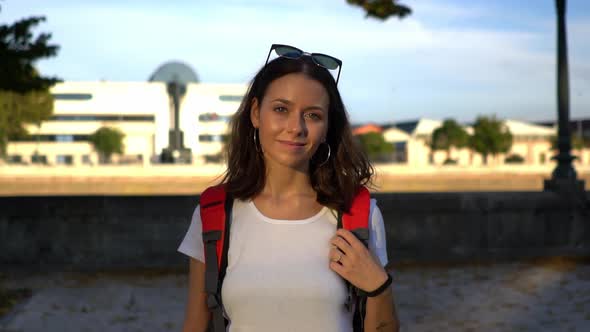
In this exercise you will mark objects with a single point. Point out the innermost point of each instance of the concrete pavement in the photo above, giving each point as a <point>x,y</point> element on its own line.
<point>546,296</point>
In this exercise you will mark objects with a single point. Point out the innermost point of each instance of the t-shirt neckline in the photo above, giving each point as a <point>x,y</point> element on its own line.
<point>287,221</point>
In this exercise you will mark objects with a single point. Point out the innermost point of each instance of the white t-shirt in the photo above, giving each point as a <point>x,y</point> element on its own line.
<point>278,276</point>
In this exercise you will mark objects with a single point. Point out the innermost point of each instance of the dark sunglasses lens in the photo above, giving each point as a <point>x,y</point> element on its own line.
<point>326,61</point>
<point>288,52</point>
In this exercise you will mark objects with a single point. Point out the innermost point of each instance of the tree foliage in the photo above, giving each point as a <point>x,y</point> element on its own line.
<point>19,50</point>
<point>24,94</point>
<point>107,141</point>
<point>17,109</point>
<point>375,146</point>
<point>449,135</point>
<point>490,137</point>
<point>382,9</point>
<point>514,159</point>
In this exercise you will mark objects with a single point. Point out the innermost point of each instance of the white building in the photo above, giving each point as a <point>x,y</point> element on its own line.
<point>141,110</point>
<point>530,141</point>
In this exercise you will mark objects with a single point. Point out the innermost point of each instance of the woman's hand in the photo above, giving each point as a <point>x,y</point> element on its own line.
<point>354,262</point>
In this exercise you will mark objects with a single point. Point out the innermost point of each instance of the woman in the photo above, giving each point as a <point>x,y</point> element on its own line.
<point>291,164</point>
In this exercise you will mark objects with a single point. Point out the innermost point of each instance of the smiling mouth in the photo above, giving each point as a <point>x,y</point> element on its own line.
<point>294,144</point>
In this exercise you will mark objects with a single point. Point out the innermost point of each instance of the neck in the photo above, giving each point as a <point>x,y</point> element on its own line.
<point>282,181</point>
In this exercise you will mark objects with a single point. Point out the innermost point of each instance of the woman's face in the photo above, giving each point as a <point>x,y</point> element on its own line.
<point>292,119</point>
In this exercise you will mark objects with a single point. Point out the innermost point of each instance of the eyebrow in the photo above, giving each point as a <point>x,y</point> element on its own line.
<point>288,102</point>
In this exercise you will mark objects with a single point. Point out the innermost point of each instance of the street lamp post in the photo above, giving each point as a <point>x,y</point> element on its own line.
<point>564,175</point>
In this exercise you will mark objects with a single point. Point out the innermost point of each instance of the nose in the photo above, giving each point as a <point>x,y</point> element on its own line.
<point>296,124</point>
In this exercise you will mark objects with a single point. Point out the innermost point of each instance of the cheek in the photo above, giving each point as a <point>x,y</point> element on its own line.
<point>320,130</point>
<point>270,123</point>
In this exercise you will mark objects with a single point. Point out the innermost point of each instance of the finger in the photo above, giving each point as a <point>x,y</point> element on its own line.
<point>337,268</point>
<point>341,244</point>
<point>350,238</point>
<point>337,256</point>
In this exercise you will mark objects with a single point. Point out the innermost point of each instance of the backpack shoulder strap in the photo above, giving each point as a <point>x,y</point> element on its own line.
<point>215,208</point>
<point>357,219</point>
<point>212,205</point>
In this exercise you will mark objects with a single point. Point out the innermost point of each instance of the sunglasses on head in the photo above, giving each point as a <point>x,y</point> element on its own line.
<point>322,60</point>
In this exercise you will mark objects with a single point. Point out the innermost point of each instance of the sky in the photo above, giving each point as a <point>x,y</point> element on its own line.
<point>449,59</point>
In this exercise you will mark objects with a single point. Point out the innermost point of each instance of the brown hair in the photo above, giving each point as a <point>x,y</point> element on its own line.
<point>336,182</point>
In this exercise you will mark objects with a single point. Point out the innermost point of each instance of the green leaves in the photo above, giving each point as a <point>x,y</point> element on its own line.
<point>375,146</point>
<point>17,109</point>
<point>107,141</point>
<point>18,53</point>
<point>382,9</point>
<point>450,134</point>
<point>490,136</point>
<point>24,94</point>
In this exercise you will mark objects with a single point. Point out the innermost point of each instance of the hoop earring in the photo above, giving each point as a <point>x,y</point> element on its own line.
<point>256,140</point>
<point>328,157</point>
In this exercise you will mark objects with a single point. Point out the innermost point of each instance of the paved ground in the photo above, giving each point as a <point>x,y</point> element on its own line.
<point>548,296</point>
<point>149,182</point>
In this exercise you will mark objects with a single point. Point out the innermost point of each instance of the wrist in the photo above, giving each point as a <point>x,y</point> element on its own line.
<point>385,283</point>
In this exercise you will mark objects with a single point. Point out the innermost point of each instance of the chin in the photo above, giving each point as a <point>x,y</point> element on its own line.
<point>294,163</point>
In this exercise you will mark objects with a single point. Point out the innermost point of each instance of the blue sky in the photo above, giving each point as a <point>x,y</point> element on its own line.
<point>450,58</point>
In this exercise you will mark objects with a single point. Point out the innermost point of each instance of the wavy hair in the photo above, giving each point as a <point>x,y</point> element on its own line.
<point>335,182</point>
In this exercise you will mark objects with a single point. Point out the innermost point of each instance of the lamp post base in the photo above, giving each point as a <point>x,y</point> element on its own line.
<point>564,185</point>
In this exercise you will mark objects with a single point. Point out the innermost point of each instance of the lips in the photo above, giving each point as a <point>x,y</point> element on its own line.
<point>294,144</point>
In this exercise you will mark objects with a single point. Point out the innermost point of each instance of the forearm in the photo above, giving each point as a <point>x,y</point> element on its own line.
<point>380,313</point>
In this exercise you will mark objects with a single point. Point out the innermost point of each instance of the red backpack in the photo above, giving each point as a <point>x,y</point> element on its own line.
<point>216,210</point>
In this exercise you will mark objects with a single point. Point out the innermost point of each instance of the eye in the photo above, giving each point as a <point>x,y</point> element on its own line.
<point>280,109</point>
<point>313,116</point>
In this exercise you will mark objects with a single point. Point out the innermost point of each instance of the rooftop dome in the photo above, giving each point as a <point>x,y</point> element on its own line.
<point>174,71</point>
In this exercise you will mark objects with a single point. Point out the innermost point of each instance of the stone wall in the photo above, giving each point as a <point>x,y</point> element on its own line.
<point>111,232</point>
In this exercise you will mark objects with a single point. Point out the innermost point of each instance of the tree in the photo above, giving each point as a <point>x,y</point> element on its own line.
<point>107,141</point>
<point>449,135</point>
<point>19,52</point>
<point>514,159</point>
<point>382,9</point>
<point>16,109</point>
<point>490,136</point>
<point>375,146</point>
<point>24,94</point>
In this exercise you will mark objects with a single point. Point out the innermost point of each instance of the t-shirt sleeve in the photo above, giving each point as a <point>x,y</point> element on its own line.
<point>192,244</point>
<point>377,236</point>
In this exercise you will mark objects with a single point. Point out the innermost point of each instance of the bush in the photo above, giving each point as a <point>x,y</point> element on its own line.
<point>375,146</point>
<point>514,159</point>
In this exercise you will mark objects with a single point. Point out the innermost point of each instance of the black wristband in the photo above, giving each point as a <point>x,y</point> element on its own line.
<point>381,288</point>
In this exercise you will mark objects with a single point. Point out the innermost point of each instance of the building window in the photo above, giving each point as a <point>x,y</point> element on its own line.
<point>39,159</point>
<point>15,159</point>
<point>542,158</point>
<point>64,138</point>
<point>64,159</point>
<point>86,159</point>
<point>126,118</point>
<point>212,138</point>
<point>399,152</point>
<point>209,117</point>
<point>231,98</point>
<point>72,96</point>
<point>54,138</point>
